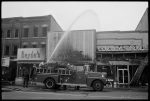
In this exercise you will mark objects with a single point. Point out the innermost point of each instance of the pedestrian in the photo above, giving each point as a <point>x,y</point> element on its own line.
<point>25,77</point>
<point>33,73</point>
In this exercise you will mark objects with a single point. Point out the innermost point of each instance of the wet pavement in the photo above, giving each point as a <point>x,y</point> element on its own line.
<point>41,88</point>
<point>40,92</point>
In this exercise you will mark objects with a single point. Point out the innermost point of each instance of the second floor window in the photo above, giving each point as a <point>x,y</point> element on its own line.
<point>16,33</point>
<point>35,31</point>
<point>8,33</point>
<point>7,48</point>
<point>44,31</point>
<point>24,46</point>
<point>26,32</point>
<point>15,50</point>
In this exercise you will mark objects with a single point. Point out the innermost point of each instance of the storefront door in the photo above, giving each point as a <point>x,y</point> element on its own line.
<point>123,74</point>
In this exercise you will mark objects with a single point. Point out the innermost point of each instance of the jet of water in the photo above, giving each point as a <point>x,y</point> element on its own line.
<point>65,34</point>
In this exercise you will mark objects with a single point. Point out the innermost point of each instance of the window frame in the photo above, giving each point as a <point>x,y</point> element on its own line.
<point>24,31</point>
<point>17,33</point>
<point>44,34</point>
<point>35,30</point>
<point>9,33</point>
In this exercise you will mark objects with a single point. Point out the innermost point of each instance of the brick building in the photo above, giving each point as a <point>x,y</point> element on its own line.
<point>25,32</point>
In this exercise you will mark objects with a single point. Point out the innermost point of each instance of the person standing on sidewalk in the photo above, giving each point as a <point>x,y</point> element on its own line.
<point>25,77</point>
<point>33,73</point>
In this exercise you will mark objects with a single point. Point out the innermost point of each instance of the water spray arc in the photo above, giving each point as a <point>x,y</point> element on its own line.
<point>65,34</point>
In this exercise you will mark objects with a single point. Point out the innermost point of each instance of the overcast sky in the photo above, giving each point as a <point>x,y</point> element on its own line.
<point>102,16</point>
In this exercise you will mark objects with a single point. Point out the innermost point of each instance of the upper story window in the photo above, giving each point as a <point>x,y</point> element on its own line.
<point>8,33</point>
<point>24,46</point>
<point>15,50</point>
<point>16,33</point>
<point>3,33</point>
<point>26,32</point>
<point>7,48</point>
<point>35,31</point>
<point>44,31</point>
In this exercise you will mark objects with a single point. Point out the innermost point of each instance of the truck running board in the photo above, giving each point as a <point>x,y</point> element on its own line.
<point>70,84</point>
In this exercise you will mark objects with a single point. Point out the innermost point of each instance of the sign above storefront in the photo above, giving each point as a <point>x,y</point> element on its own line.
<point>5,61</point>
<point>119,48</point>
<point>31,54</point>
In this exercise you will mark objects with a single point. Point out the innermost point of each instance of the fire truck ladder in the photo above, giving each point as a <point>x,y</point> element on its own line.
<point>137,75</point>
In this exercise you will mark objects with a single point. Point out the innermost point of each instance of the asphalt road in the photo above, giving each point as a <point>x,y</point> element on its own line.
<point>41,93</point>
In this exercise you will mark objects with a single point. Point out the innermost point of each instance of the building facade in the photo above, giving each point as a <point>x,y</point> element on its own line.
<point>121,52</point>
<point>25,32</point>
<point>74,46</point>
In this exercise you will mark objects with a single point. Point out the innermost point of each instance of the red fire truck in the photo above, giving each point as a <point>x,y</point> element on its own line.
<point>78,76</point>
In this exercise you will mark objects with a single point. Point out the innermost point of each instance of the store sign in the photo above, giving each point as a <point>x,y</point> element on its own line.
<point>5,62</point>
<point>31,54</point>
<point>119,48</point>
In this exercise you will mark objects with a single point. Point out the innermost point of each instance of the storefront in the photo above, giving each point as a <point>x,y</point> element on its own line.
<point>27,57</point>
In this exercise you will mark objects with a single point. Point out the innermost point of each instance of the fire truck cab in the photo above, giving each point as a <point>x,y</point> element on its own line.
<point>78,76</point>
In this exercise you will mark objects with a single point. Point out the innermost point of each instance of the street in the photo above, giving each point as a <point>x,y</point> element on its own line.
<point>83,93</point>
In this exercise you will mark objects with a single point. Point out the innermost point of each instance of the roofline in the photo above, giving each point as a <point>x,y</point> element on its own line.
<point>122,31</point>
<point>22,18</point>
<point>141,18</point>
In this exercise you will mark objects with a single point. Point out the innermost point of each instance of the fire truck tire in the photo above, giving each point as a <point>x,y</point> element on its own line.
<point>97,85</point>
<point>50,84</point>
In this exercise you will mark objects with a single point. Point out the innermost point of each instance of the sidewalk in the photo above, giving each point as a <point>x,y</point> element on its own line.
<point>41,87</point>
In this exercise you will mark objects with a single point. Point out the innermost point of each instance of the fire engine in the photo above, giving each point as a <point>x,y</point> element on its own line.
<point>78,76</point>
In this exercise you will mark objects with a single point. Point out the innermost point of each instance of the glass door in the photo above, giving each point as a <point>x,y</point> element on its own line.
<point>123,76</point>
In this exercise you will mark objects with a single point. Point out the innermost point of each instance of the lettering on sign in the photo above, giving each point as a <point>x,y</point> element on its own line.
<point>31,54</point>
<point>119,48</point>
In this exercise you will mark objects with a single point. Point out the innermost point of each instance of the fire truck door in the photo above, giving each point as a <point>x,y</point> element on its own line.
<point>80,78</point>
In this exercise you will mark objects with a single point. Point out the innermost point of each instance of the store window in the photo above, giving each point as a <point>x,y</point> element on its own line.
<point>26,32</point>
<point>35,31</point>
<point>118,56</point>
<point>34,46</point>
<point>7,49</point>
<point>44,31</point>
<point>129,55</point>
<point>107,56</point>
<point>8,33</point>
<point>43,45</point>
<point>16,33</point>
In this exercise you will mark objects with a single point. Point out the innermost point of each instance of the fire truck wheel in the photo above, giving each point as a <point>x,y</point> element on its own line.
<point>50,83</point>
<point>97,85</point>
